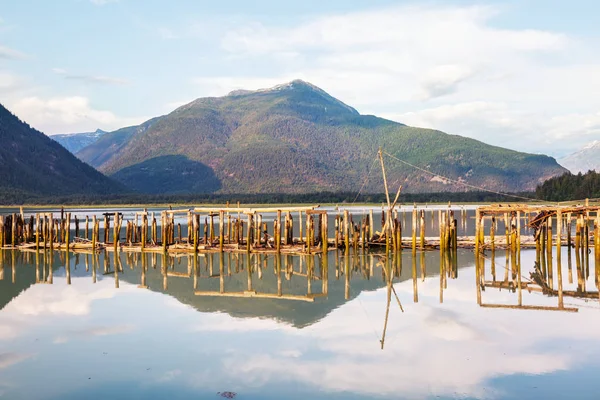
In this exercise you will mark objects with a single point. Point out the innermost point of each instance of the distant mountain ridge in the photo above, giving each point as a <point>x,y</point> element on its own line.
<point>586,159</point>
<point>31,163</point>
<point>296,138</point>
<point>77,141</point>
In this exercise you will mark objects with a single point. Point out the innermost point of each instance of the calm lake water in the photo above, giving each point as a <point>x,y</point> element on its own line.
<point>154,327</point>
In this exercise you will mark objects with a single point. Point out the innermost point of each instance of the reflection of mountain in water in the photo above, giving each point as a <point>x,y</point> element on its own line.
<point>180,280</point>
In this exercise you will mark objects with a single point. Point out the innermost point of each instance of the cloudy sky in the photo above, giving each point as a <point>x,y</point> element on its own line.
<point>519,74</point>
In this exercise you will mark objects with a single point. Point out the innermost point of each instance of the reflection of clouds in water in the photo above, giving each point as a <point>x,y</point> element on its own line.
<point>448,325</point>
<point>221,322</point>
<point>43,303</point>
<point>169,376</point>
<point>95,331</point>
<point>431,349</point>
<point>9,330</point>
<point>8,359</point>
<point>70,300</point>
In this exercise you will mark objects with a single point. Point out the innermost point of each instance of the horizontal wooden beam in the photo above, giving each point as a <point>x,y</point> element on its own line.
<point>251,293</point>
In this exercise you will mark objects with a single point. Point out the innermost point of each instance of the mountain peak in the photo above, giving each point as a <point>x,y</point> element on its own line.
<point>295,86</point>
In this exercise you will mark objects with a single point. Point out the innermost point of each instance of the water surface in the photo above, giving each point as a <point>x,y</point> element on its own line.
<point>83,326</point>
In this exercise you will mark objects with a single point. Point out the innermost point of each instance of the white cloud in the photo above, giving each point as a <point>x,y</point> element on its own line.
<point>420,63</point>
<point>67,114</point>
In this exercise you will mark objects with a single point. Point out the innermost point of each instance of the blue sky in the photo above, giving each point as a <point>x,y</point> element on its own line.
<point>518,74</point>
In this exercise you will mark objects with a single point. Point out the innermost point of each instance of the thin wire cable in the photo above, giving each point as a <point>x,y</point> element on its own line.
<point>459,182</point>
<point>365,181</point>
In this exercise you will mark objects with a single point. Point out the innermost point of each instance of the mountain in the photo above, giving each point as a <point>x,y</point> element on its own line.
<point>77,141</point>
<point>31,163</point>
<point>296,138</point>
<point>586,159</point>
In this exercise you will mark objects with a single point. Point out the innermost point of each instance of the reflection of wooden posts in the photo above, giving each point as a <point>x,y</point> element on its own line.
<point>325,273</point>
<point>414,278</point>
<point>68,268</point>
<point>478,277</point>
<point>347,275</point>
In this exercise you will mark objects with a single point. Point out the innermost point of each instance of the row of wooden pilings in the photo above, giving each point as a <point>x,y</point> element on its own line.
<point>46,231</point>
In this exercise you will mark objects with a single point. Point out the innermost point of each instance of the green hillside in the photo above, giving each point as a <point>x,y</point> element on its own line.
<point>295,138</point>
<point>32,164</point>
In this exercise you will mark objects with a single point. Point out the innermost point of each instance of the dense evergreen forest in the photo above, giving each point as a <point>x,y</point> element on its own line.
<point>19,198</point>
<point>570,187</point>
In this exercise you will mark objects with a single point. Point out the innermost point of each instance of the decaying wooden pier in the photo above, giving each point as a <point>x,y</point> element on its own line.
<point>243,229</point>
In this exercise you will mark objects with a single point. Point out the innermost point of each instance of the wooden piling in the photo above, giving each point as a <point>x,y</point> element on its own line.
<point>278,233</point>
<point>422,233</point>
<point>347,231</point>
<point>94,238</point>
<point>414,230</point>
<point>221,230</point>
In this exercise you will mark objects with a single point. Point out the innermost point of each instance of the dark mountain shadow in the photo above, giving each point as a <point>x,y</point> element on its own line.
<point>169,174</point>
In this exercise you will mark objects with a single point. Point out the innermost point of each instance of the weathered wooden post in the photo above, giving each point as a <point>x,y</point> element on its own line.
<point>212,228</point>
<point>324,235</point>
<point>13,237</point>
<point>196,234</point>
<point>163,235</point>
<point>278,232</point>
<point>478,228</point>
<point>422,233</point>
<point>249,234</point>
<point>76,226</point>
<point>37,232</point>
<point>221,230</point>
<point>94,238</point>
<point>559,218</point>
<point>414,229</point>
<point>67,231</point>
<point>347,231</point>
<point>144,232</point>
